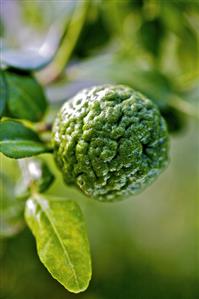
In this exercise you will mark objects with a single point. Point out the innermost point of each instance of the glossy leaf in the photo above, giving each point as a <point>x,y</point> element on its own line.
<point>26,98</point>
<point>3,93</point>
<point>18,141</point>
<point>62,243</point>
<point>44,26</point>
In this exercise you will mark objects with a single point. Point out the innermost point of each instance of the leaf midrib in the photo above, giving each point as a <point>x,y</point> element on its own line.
<point>59,240</point>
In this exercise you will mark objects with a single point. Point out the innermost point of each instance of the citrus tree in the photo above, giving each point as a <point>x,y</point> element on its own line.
<point>133,82</point>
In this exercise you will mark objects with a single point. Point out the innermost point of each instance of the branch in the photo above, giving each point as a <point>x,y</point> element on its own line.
<point>53,71</point>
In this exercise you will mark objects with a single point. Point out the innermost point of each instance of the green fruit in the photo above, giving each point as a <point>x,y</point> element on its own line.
<point>110,141</point>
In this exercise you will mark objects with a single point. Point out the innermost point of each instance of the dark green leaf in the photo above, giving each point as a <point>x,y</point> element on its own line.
<point>26,98</point>
<point>62,243</point>
<point>18,141</point>
<point>151,34</point>
<point>3,92</point>
<point>176,120</point>
<point>11,209</point>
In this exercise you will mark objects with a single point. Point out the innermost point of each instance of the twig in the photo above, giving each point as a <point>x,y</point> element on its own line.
<point>54,70</point>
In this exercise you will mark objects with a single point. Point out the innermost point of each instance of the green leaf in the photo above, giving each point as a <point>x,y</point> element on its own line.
<point>62,243</point>
<point>18,141</point>
<point>3,93</point>
<point>26,99</point>
<point>11,209</point>
<point>188,51</point>
<point>151,34</point>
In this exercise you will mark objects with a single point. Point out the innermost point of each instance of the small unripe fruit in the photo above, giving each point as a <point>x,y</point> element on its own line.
<point>110,141</point>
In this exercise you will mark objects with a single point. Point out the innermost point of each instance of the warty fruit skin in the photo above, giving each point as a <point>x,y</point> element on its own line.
<point>110,141</point>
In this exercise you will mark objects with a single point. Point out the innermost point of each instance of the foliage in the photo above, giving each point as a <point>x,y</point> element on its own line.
<point>150,46</point>
<point>59,230</point>
<point>27,100</point>
<point>18,141</point>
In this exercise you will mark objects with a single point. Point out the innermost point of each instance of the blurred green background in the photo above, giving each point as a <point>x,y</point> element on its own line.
<point>147,246</point>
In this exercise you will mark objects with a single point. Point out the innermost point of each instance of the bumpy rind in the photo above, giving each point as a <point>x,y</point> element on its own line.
<point>110,141</point>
